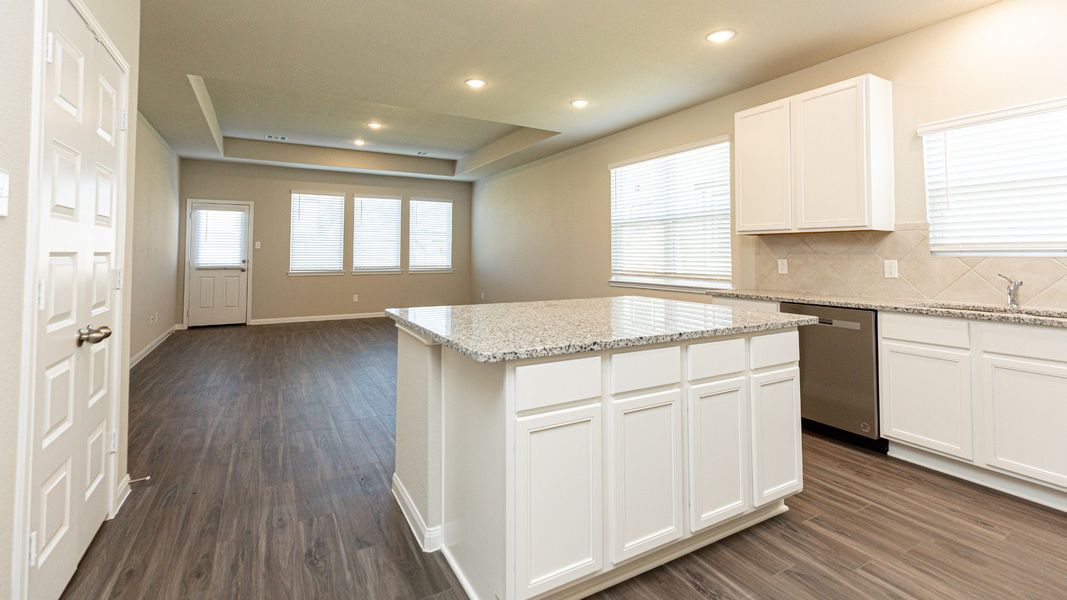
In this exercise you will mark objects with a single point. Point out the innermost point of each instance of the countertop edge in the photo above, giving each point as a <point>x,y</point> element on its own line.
<point>550,351</point>
<point>889,305</point>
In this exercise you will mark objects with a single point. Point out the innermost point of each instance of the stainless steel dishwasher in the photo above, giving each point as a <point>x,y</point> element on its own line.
<point>839,372</point>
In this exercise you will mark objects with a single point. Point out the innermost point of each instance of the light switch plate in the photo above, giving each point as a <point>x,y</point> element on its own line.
<point>892,271</point>
<point>258,245</point>
<point>5,192</point>
<point>783,266</point>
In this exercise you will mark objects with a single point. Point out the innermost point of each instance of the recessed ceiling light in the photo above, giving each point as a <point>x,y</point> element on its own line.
<point>359,142</point>
<point>374,125</point>
<point>476,83</point>
<point>579,103</point>
<point>722,35</point>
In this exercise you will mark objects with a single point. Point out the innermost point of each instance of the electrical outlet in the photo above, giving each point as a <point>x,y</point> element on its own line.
<point>783,266</point>
<point>892,270</point>
<point>355,297</point>
<point>483,295</point>
<point>258,245</point>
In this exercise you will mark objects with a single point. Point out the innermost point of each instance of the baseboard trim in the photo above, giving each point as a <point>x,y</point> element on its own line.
<point>123,493</point>
<point>1020,488</point>
<point>429,538</point>
<point>275,320</point>
<point>152,346</point>
<point>632,568</point>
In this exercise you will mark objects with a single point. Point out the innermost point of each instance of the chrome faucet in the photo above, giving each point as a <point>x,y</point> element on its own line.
<point>1013,290</point>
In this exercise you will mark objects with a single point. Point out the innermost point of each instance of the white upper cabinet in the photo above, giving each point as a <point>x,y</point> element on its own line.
<point>764,168</point>
<point>818,161</point>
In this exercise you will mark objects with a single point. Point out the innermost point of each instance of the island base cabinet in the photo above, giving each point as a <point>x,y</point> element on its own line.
<point>720,477</point>
<point>559,507</point>
<point>776,462</point>
<point>926,397</point>
<point>645,473</point>
<point>1018,441</point>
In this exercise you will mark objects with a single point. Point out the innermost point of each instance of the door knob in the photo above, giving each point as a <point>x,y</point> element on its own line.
<point>244,265</point>
<point>93,335</point>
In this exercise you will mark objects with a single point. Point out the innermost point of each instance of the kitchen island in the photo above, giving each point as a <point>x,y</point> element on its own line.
<point>552,449</point>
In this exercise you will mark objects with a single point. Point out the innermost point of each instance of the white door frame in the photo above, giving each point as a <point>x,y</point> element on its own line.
<point>248,252</point>
<point>20,535</point>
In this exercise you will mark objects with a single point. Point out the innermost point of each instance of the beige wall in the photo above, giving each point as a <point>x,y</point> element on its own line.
<point>154,309</point>
<point>275,294</point>
<point>543,230</point>
<point>121,19</point>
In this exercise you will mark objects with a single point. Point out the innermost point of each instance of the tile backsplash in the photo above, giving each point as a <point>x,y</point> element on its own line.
<point>852,263</point>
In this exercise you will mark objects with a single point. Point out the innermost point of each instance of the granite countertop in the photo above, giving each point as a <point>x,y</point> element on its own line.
<point>518,330</point>
<point>1046,317</point>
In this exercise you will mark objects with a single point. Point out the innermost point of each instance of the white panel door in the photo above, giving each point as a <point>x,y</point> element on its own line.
<point>83,155</point>
<point>776,461</point>
<point>763,168</point>
<point>830,157</point>
<point>559,512</point>
<point>1025,412</point>
<point>926,397</point>
<point>218,263</point>
<point>645,473</point>
<point>719,459</point>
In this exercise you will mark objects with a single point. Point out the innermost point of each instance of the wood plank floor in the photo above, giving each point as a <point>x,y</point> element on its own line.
<point>271,451</point>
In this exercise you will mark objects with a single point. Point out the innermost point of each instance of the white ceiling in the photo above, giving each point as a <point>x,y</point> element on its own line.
<point>317,71</point>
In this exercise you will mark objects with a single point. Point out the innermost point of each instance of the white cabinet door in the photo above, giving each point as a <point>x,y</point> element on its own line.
<point>645,474</point>
<point>719,474</point>
<point>926,397</point>
<point>830,157</point>
<point>1025,411</point>
<point>763,175</point>
<point>776,463</point>
<point>559,508</point>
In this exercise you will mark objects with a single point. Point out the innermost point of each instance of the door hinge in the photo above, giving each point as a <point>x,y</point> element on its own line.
<point>50,47</point>
<point>33,548</point>
<point>124,120</point>
<point>116,276</point>
<point>114,442</point>
<point>40,294</point>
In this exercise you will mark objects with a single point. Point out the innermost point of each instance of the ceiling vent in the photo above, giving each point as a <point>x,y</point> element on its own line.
<point>276,138</point>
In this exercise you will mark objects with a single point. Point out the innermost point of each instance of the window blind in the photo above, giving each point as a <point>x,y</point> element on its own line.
<point>996,184</point>
<point>317,233</point>
<point>430,232</point>
<point>376,235</point>
<point>670,219</point>
<point>219,236</point>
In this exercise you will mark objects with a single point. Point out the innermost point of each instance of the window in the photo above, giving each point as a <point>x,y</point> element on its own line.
<point>376,235</point>
<point>219,237</point>
<point>670,219</point>
<point>996,184</point>
<point>430,231</point>
<point>317,233</point>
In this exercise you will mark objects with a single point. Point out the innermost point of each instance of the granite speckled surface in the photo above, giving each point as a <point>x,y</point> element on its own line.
<point>1046,317</point>
<point>518,330</point>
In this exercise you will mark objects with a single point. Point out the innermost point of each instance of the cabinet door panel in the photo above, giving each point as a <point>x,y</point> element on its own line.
<point>776,462</point>
<point>559,509</point>
<point>763,168</point>
<point>830,157</point>
<point>719,457</point>
<point>646,473</point>
<point>926,397</point>
<point>1025,413</point>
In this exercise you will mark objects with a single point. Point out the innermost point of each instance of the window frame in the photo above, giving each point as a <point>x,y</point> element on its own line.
<point>344,204</point>
<point>1015,248</point>
<point>399,239</point>
<point>451,235</point>
<point>680,284</point>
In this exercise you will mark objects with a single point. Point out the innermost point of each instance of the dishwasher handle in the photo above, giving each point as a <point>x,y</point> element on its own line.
<point>823,321</point>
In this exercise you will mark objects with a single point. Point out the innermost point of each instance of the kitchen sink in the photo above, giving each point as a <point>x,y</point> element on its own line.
<point>999,309</point>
